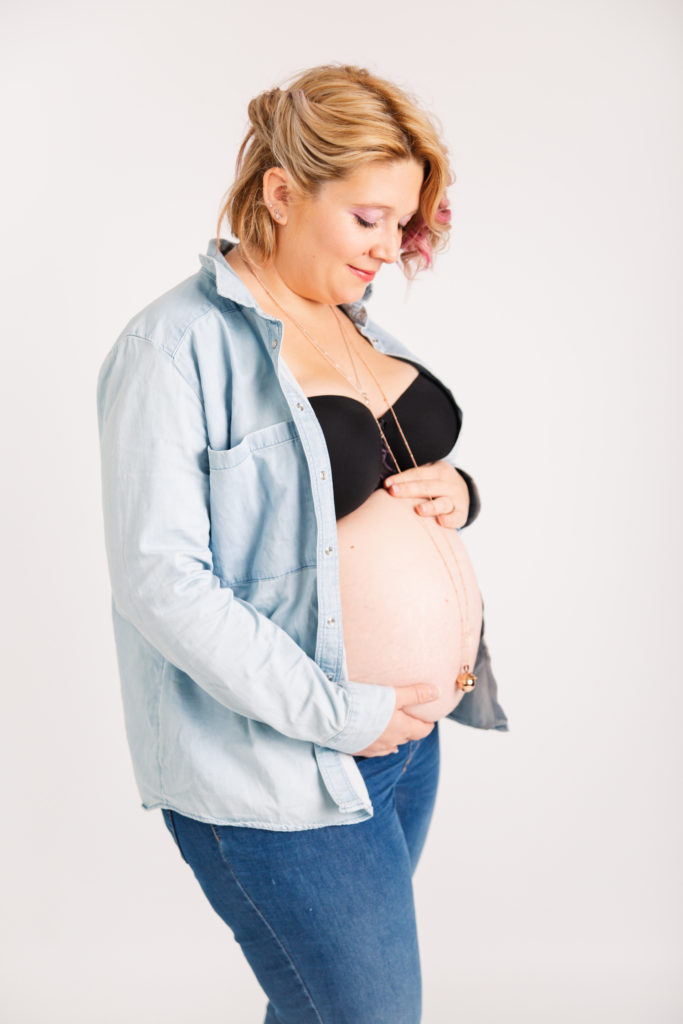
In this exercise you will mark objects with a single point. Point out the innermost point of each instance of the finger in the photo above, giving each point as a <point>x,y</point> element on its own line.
<point>416,693</point>
<point>432,469</point>
<point>444,509</point>
<point>423,487</point>
<point>419,728</point>
<point>452,520</point>
<point>442,505</point>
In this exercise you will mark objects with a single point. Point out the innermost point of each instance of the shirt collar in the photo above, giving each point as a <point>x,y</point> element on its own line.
<point>230,286</point>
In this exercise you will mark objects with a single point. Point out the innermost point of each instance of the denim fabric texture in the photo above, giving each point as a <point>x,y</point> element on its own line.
<point>325,917</point>
<point>221,542</point>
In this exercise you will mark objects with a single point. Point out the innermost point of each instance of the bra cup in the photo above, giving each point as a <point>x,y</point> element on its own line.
<point>429,419</point>
<point>354,447</point>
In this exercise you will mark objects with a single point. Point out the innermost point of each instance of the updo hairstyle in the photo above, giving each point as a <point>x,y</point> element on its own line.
<point>330,120</point>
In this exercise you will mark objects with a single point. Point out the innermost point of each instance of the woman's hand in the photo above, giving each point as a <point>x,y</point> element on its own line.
<point>439,481</point>
<point>403,726</point>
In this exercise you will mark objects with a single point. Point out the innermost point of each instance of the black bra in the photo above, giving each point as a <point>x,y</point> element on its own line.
<point>430,419</point>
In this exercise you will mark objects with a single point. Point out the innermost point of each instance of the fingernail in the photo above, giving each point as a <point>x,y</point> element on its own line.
<point>434,692</point>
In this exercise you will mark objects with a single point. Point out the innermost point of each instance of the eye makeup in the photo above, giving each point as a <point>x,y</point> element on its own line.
<point>365,223</point>
<point>363,214</point>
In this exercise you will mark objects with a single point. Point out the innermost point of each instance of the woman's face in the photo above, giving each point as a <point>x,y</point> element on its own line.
<point>354,224</point>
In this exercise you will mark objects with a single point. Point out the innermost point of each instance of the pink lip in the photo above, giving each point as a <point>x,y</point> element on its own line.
<point>365,275</point>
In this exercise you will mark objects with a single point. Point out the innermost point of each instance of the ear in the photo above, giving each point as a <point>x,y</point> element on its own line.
<point>278,192</point>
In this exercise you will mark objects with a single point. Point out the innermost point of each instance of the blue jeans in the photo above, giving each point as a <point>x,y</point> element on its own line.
<point>325,916</point>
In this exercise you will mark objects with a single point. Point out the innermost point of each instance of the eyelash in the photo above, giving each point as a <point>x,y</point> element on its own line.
<point>369,224</point>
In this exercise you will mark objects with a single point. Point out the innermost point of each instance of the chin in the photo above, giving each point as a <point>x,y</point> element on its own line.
<point>354,292</point>
<point>348,300</point>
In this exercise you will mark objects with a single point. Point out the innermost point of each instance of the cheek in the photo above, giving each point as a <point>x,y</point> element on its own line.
<point>345,241</point>
<point>338,243</point>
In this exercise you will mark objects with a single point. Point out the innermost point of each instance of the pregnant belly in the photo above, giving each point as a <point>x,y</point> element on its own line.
<point>401,614</point>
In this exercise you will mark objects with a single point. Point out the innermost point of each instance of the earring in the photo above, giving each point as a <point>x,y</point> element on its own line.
<point>276,213</point>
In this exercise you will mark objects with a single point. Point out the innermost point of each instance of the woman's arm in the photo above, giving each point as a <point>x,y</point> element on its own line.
<point>155,489</point>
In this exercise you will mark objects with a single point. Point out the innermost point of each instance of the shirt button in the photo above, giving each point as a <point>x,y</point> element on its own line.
<point>274,342</point>
<point>328,550</point>
<point>330,621</point>
<point>329,675</point>
<point>299,405</point>
<point>322,474</point>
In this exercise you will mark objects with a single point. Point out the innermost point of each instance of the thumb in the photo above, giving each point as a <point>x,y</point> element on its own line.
<point>416,693</point>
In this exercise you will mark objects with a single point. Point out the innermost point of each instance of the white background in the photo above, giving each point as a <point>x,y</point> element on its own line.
<point>550,886</point>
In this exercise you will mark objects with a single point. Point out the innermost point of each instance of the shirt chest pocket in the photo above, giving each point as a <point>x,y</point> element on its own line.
<point>262,515</point>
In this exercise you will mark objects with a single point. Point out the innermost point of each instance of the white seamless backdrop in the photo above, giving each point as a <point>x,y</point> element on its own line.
<point>550,886</point>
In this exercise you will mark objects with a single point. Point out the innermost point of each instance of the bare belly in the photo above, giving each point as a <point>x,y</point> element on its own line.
<point>401,614</point>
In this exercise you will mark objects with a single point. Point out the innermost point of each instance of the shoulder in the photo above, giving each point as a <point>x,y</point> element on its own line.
<point>190,332</point>
<point>189,324</point>
<point>191,308</point>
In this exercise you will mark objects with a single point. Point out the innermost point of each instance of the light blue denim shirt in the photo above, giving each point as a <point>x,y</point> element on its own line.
<point>221,542</point>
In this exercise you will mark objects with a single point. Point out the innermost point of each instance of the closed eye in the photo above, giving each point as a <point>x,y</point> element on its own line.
<point>371,224</point>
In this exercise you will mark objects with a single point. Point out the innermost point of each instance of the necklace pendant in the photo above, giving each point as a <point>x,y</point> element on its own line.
<point>466,680</point>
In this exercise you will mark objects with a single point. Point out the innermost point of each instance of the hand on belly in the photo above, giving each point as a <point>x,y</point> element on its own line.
<point>401,615</point>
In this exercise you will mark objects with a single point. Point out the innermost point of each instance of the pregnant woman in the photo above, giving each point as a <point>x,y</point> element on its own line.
<point>294,609</point>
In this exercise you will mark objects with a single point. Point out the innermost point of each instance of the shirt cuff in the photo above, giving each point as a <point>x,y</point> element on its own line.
<point>475,502</point>
<point>370,709</point>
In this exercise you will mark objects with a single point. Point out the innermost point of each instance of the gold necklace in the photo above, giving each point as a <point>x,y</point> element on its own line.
<point>465,676</point>
<point>465,680</point>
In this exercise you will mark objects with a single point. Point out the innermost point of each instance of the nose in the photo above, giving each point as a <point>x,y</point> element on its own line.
<point>386,247</point>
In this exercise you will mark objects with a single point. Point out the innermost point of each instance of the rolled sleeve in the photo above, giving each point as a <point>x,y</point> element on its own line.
<point>370,710</point>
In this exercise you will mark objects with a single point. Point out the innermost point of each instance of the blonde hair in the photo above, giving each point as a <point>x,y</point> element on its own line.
<point>330,120</point>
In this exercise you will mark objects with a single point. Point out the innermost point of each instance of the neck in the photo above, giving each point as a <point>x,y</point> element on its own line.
<point>269,280</point>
